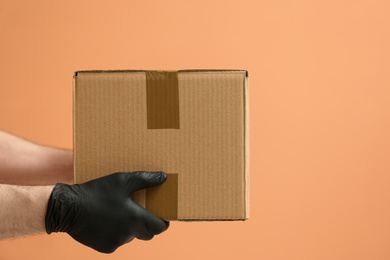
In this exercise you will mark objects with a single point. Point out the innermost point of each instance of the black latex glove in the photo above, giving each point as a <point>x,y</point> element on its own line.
<point>100,213</point>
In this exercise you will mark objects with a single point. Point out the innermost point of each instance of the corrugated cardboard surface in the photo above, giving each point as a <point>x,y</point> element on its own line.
<point>206,157</point>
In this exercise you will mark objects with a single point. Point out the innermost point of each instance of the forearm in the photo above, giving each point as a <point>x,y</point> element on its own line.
<point>25,163</point>
<point>23,209</point>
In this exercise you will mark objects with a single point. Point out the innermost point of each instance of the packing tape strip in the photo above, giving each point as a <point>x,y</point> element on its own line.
<point>162,99</point>
<point>162,200</point>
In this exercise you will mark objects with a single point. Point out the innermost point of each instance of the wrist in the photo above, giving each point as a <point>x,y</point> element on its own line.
<point>62,209</point>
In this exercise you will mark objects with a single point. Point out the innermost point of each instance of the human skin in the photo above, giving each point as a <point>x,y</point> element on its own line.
<point>26,163</point>
<point>28,173</point>
<point>23,209</point>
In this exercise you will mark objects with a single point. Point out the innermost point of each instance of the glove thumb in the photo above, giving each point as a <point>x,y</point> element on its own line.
<point>139,180</point>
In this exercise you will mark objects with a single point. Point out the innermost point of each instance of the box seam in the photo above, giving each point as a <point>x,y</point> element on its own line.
<point>186,70</point>
<point>74,126</point>
<point>246,146</point>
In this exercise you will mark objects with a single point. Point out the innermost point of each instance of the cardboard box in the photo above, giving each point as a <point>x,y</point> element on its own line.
<point>191,124</point>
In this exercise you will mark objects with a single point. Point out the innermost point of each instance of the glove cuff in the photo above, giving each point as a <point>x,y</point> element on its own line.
<point>61,209</point>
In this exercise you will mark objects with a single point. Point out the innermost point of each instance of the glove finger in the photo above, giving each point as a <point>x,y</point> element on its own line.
<point>129,240</point>
<point>154,224</point>
<point>146,236</point>
<point>142,179</point>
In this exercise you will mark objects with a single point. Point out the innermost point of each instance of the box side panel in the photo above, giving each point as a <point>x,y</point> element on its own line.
<point>208,151</point>
<point>109,115</point>
<point>212,146</point>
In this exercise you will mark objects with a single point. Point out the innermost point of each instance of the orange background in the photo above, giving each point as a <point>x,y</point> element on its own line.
<point>319,100</point>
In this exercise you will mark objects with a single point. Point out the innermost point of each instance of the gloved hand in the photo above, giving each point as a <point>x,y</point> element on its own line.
<point>100,213</point>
